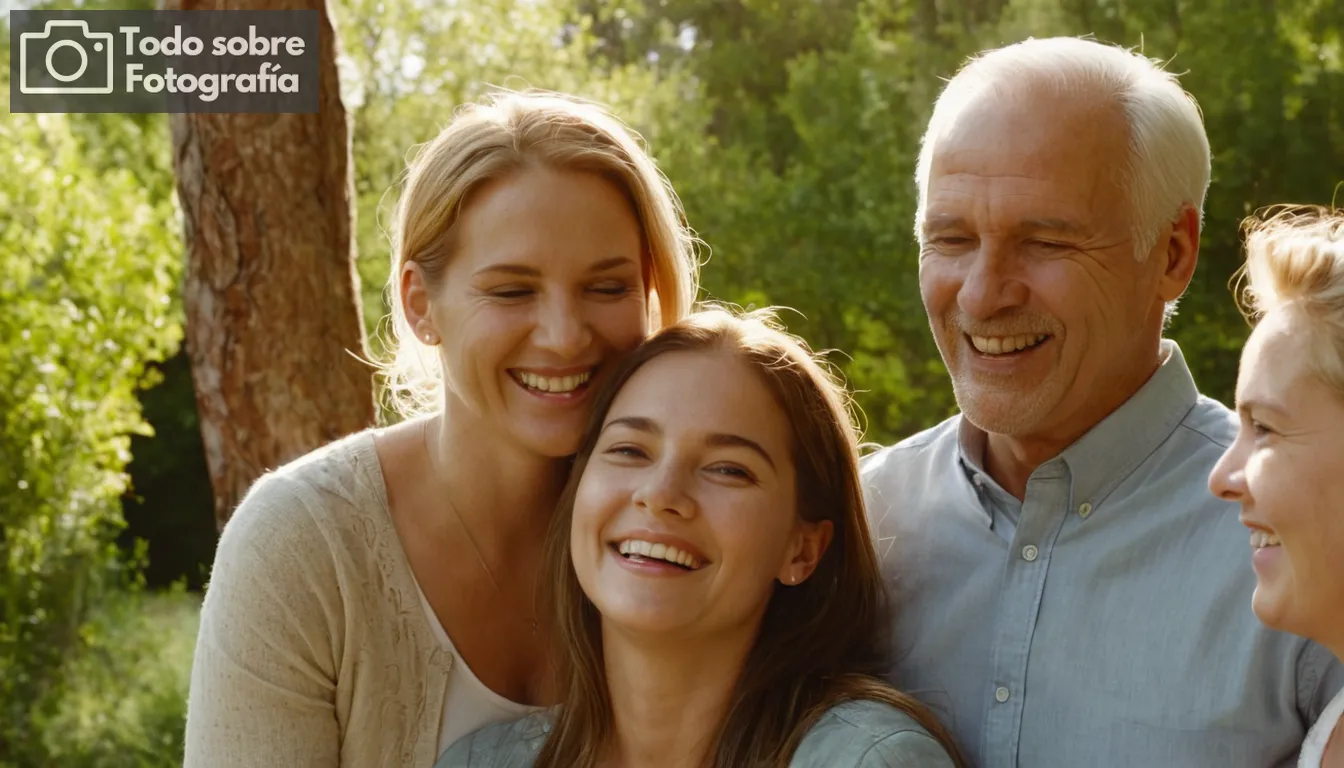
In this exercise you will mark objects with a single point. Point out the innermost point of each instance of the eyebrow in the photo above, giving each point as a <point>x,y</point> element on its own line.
<point>943,221</point>
<point>1052,225</point>
<point>525,271</point>
<point>946,221</point>
<point>1264,404</point>
<point>722,439</point>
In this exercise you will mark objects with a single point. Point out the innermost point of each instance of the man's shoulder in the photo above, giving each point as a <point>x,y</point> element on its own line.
<point>1211,422</point>
<point>921,445</point>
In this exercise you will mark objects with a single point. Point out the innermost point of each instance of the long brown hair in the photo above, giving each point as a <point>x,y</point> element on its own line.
<point>820,643</point>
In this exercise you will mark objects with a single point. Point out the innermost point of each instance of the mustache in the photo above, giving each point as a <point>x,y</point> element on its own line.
<point>1015,324</point>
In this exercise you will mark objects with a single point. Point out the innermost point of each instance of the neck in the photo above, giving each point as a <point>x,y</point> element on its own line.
<point>669,696</point>
<point>504,494</point>
<point>1010,459</point>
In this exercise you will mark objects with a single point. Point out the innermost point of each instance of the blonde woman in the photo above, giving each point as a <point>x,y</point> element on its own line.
<point>375,600</point>
<point>1286,468</point>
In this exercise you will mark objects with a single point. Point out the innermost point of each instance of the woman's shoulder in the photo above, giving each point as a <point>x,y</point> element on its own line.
<point>328,484</point>
<point>512,744</point>
<point>320,513</point>
<point>1318,736</point>
<point>869,734</point>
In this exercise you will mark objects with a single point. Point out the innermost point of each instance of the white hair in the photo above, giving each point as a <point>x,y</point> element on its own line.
<point>1169,159</point>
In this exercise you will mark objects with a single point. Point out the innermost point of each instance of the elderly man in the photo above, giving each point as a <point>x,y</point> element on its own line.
<point>1068,592</point>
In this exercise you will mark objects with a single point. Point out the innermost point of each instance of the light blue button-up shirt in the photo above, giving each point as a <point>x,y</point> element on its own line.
<point>1105,619</point>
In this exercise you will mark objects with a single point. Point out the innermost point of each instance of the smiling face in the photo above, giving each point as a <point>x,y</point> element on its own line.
<point>1043,316</point>
<point>543,292</point>
<point>1284,470</point>
<point>693,465</point>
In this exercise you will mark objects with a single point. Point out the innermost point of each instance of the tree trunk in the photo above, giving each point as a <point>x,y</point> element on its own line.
<point>272,296</point>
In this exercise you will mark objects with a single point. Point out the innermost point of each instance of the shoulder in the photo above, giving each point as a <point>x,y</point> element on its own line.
<point>869,734</point>
<point>920,445</point>
<point>512,744</point>
<point>1211,424</point>
<point>298,523</point>
<point>310,492</point>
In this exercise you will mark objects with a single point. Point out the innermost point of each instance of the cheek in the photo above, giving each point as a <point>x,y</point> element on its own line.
<point>939,282</point>
<point>1064,290</point>
<point>754,536</point>
<point>598,500</point>
<point>482,337</point>
<point>621,325</point>
<point>1284,493</point>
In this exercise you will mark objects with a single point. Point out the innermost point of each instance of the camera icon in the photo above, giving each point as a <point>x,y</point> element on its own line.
<point>60,35</point>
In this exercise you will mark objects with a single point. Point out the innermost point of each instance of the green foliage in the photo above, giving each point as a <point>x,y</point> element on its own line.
<point>123,704</point>
<point>87,266</point>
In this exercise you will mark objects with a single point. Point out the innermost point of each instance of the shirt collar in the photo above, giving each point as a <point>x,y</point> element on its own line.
<point>1112,449</point>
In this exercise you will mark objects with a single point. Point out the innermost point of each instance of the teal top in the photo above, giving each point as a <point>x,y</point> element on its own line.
<point>856,734</point>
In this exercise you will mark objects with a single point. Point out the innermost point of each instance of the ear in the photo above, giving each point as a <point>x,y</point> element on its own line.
<point>1181,255</point>
<point>415,303</point>
<point>809,544</point>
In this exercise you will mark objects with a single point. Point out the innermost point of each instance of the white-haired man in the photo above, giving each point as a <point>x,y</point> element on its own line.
<point>1068,592</point>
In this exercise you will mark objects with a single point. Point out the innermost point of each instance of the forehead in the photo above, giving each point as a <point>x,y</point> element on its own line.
<point>1034,153</point>
<point>1276,357</point>
<point>696,392</point>
<point>547,218</point>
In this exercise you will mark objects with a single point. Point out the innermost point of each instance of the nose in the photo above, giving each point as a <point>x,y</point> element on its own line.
<point>663,490</point>
<point>562,328</point>
<point>1227,481</point>
<point>990,285</point>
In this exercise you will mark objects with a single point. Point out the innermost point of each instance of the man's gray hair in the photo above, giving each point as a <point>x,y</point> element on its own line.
<point>1169,161</point>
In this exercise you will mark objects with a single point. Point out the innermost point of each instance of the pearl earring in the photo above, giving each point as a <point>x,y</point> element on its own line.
<point>431,338</point>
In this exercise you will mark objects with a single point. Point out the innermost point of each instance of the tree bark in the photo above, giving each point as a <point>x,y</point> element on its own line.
<point>273,318</point>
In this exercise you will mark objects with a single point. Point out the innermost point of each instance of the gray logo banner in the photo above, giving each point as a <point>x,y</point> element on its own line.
<point>163,61</point>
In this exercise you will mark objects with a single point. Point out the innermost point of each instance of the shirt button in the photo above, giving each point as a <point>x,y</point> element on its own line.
<point>1084,509</point>
<point>1001,694</point>
<point>1029,554</point>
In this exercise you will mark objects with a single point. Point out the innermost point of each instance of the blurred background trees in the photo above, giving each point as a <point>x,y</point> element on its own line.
<point>790,129</point>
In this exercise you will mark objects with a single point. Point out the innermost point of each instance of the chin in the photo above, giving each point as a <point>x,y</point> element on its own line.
<point>999,414</point>
<point>552,444</point>
<point>1269,608</point>
<point>642,623</point>
<point>640,615</point>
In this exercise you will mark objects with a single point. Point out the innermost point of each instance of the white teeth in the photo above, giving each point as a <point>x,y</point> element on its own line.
<point>658,552</point>
<point>556,384</point>
<point>1000,345</point>
<point>1260,540</point>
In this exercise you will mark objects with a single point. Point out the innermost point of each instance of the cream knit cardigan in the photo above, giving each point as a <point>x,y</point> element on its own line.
<point>314,649</point>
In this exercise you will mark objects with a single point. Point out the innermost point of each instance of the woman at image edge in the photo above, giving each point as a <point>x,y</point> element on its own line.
<point>717,595</point>
<point>1285,466</point>
<point>373,601</point>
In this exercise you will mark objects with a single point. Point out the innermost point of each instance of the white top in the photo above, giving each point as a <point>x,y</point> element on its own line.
<point>469,703</point>
<point>1313,748</point>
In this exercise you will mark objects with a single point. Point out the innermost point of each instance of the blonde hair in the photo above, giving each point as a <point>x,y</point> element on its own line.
<point>498,137</point>
<point>1295,259</point>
